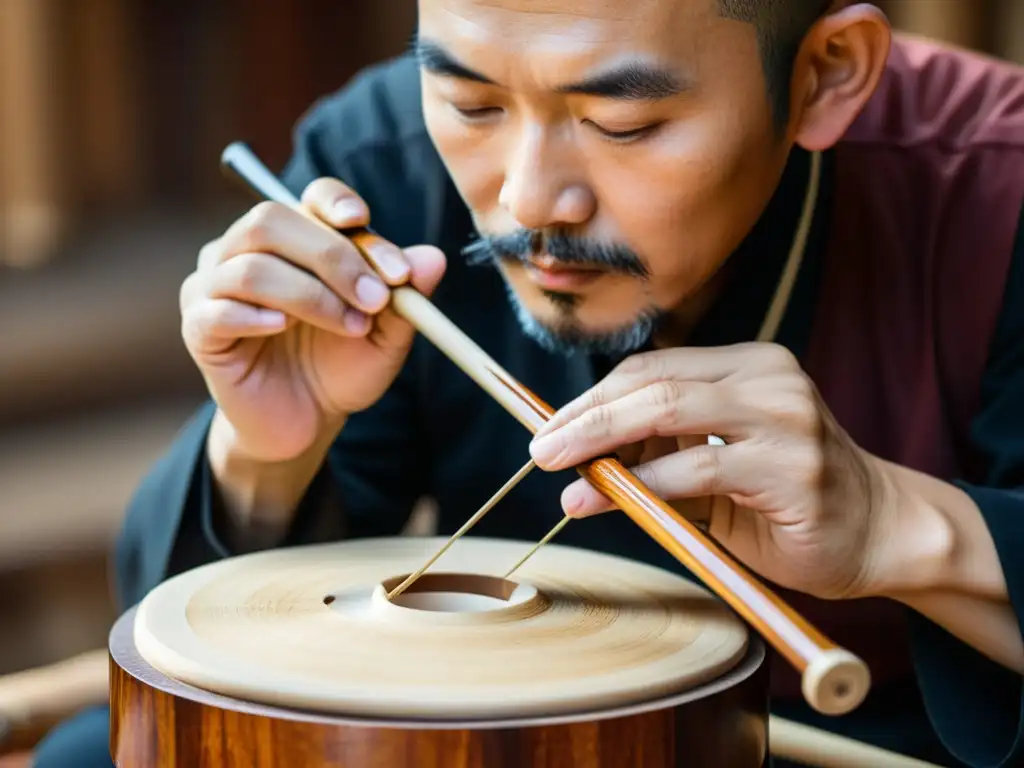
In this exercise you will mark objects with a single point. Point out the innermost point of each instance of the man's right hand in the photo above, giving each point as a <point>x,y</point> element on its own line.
<point>290,326</point>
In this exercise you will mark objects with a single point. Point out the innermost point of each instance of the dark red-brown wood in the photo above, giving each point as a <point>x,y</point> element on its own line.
<point>157,722</point>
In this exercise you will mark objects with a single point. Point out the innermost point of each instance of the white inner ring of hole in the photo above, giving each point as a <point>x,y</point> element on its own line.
<point>461,593</point>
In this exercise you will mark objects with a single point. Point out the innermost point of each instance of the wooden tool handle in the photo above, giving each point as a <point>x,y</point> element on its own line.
<point>809,746</point>
<point>834,680</point>
<point>42,696</point>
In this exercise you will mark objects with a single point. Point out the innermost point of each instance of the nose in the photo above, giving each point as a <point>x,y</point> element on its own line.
<point>543,184</point>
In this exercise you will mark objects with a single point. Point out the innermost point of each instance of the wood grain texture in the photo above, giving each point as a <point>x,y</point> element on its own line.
<point>312,627</point>
<point>157,722</point>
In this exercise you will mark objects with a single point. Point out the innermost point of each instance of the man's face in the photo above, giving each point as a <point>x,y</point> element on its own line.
<point>613,152</point>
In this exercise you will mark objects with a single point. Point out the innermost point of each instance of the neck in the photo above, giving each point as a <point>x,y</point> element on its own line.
<point>676,326</point>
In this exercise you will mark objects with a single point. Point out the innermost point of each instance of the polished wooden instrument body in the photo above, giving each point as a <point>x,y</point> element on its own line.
<point>293,658</point>
<point>158,722</point>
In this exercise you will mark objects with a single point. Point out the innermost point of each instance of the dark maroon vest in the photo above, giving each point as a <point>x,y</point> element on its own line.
<point>929,189</point>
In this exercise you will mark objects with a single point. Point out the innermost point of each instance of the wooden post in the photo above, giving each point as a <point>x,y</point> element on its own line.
<point>1009,30</point>
<point>107,167</point>
<point>960,22</point>
<point>31,193</point>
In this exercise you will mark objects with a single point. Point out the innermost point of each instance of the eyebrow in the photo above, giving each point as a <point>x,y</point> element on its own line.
<point>632,81</point>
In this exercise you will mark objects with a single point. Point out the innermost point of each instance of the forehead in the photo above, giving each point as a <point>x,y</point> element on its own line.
<point>570,32</point>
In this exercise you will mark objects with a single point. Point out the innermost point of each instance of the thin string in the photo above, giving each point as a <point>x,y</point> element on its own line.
<point>511,483</point>
<point>783,291</point>
<point>776,310</point>
<point>550,535</point>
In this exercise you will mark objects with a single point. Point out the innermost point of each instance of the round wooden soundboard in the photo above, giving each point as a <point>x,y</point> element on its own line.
<point>576,639</point>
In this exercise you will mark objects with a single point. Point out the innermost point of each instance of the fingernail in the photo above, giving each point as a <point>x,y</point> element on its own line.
<point>272,318</point>
<point>356,321</point>
<point>346,211</point>
<point>390,263</point>
<point>371,291</point>
<point>543,450</point>
<point>572,500</point>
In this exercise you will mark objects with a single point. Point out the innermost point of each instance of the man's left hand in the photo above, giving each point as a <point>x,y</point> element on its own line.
<point>789,494</point>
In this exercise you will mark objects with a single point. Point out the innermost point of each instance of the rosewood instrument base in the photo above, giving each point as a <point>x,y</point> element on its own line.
<point>158,722</point>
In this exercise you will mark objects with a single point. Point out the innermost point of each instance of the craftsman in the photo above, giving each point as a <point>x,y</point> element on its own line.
<point>771,221</point>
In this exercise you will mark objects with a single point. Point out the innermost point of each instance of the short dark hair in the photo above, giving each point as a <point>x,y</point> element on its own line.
<point>781,26</point>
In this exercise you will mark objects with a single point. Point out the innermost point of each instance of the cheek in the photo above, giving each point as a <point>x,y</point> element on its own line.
<point>468,155</point>
<point>687,198</point>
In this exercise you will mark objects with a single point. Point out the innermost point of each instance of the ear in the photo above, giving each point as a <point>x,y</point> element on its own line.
<point>836,71</point>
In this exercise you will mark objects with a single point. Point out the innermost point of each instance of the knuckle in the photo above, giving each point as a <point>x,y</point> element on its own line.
<point>809,465</point>
<point>640,365</point>
<point>650,475</point>
<point>665,397</point>
<point>786,405</point>
<point>797,410</point>
<point>707,468</point>
<point>188,291</point>
<point>248,271</point>
<point>192,327</point>
<point>209,254</point>
<point>779,358</point>
<point>341,265</point>
<point>597,421</point>
<point>260,224</point>
<point>806,416</point>
<point>334,258</point>
<point>316,297</point>
<point>807,391</point>
<point>596,398</point>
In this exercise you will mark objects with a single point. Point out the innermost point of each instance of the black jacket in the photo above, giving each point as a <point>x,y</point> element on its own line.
<point>436,434</point>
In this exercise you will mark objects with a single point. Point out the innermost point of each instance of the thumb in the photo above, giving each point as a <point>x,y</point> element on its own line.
<point>428,267</point>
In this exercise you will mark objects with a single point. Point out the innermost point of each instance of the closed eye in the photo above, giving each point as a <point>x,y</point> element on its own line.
<point>628,135</point>
<point>475,113</point>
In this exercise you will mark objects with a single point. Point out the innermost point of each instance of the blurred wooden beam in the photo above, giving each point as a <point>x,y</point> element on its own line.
<point>31,216</point>
<point>104,71</point>
<point>960,22</point>
<point>1009,30</point>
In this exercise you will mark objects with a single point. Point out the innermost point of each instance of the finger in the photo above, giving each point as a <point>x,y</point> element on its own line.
<point>212,325</point>
<point>388,260</point>
<point>209,255</point>
<point>266,281</point>
<point>701,471</point>
<point>428,267</point>
<point>581,499</point>
<point>340,206</point>
<point>271,228</point>
<point>664,408</point>
<point>336,203</point>
<point>708,365</point>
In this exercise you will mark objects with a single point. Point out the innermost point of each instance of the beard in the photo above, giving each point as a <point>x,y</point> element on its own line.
<point>566,335</point>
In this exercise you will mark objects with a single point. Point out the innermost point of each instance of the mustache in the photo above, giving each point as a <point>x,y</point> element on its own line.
<point>522,244</point>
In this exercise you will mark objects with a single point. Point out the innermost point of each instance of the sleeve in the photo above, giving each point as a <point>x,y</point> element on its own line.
<point>171,523</point>
<point>976,705</point>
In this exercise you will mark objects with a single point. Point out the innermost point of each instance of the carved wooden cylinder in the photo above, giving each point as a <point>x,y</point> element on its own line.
<point>297,658</point>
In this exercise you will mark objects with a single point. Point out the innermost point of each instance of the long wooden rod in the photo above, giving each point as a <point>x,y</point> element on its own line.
<point>834,681</point>
<point>806,745</point>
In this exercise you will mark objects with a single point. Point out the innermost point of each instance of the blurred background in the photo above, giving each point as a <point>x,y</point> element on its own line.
<point>112,117</point>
